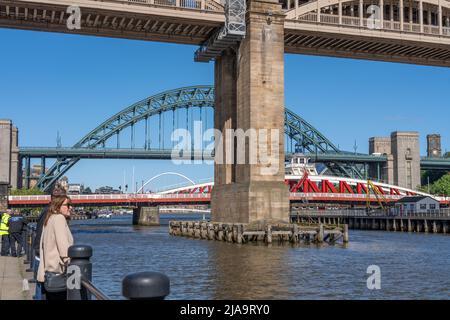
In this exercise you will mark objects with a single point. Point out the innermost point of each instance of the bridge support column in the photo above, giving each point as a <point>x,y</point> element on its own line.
<point>249,176</point>
<point>146,216</point>
<point>9,154</point>
<point>3,196</point>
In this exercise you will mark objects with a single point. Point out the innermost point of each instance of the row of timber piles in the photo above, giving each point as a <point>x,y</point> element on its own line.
<point>268,233</point>
<point>398,224</point>
<point>401,225</point>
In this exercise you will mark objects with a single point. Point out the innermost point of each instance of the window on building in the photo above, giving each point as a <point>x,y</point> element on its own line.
<point>433,206</point>
<point>409,174</point>
<point>412,206</point>
<point>423,207</point>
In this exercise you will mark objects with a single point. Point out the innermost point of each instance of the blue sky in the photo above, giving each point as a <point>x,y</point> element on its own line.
<point>67,83</point>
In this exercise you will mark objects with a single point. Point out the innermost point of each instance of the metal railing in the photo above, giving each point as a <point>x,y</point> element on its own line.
<point>89,286</point>
<point>207,5</point>
<point>387,24</point>
<point>29,238</point>
<point>130,198</point>
<point>143,285</point>
<point>442,213</point>
<point>343,195</point>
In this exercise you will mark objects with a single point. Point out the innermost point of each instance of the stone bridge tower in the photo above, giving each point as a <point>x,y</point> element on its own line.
<point>249,87</point>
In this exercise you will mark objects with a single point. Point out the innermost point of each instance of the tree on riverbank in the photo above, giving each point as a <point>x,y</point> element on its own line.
<point>442,186</point>
<point>26,192</point>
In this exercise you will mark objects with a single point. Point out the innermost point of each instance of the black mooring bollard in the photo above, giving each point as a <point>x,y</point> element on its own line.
<point>80,267</point>
<point>146,286</point>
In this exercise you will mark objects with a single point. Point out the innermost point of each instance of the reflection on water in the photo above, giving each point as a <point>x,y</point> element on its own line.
<point>413,266</point>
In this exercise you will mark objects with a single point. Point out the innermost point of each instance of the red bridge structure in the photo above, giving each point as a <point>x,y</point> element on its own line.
<point>313,189</point>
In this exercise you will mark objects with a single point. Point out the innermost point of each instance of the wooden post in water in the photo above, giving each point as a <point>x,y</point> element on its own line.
<point>220,231</point>
<point>197,230</point>
<point>346,238</point>
<point>234,232</point>
<point>210,229</point>
<point>387,224</point>
<point>269,234</point>
<point>205,233</point>
<point>401,224</point>
<point>190,229</point>
<point>425,226</point>
<point>444,227</point>
<point>418,225</point>
<point>320,234</point>
<point>240,231</point>
<point>294,238</point>
<point>435,229</point>
<point>410,229</point>
<point>229,233</point>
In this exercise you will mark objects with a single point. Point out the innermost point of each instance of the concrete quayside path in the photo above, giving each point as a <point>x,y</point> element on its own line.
<point>12,276</point>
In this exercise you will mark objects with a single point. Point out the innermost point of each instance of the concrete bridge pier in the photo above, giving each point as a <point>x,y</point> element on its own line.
<point>146,216</point>
<point>3,196</point>
<point>9,154</point>
<point>249,97</point>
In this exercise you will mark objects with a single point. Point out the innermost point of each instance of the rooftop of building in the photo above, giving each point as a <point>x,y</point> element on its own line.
<point>414,199</point>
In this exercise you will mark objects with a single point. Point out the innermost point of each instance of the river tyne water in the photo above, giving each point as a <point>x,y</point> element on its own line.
<point>413,266</point>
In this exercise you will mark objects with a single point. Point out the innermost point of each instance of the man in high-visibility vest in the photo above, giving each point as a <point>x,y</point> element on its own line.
<point>4,232</point>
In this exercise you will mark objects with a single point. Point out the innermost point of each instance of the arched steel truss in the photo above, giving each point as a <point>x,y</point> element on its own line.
<point>307,138</point>
<point>164,174</point>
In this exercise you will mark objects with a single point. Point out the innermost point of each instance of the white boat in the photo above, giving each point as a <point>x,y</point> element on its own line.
<point>299,165</point>
<point>104,215</point>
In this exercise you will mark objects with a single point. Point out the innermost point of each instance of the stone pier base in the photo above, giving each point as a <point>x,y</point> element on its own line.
<point>146,216</point>
<point>244,203</point>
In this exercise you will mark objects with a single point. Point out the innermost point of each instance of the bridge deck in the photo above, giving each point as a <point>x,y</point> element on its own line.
<point>195,21</point>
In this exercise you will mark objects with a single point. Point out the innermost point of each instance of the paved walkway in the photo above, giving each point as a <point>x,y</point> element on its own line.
<point>12,275</point>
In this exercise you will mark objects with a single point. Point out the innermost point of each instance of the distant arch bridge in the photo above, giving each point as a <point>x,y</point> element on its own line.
<point>154,116</point>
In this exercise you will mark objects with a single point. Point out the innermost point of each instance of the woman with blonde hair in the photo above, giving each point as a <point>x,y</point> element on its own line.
<point>55,241</point>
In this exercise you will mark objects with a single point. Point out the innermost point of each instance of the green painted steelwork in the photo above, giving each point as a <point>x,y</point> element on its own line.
<point>307,138</point>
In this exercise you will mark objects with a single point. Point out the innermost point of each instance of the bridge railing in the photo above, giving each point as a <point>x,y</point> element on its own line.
<point>205,5</point>
<point>393,213</point>
<point>343,195</point>
<point>387,25</point>
<point>156,196</point>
